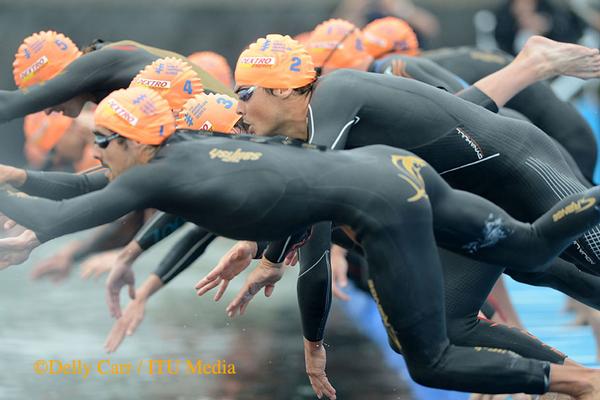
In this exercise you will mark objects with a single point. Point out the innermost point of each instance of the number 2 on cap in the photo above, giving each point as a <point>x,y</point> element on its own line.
<point>296,63</point>
<point>187,87</point>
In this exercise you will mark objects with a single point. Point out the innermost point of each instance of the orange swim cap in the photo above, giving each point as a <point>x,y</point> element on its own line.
<point>41,57</point>
<point>337,43</point>
<point>303,37</point>
<point>215,64</point>
<point>172,78</point>
<point>390,35</point>
<point>42,133</point>
<point>275,62</point>
<point>137,113</point>
<point>209,112</point>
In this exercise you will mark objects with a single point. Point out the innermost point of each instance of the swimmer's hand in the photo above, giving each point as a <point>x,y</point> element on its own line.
<point>265,275</point>
<point>339,272</point>
<point>16,177</point>
<point>120,275</point>
<point>230,265</point>
<point>6,224</point>
<point>57,267</point>
<point>99,264</point>
<point>315,359</point>
<point>16,250</point>
<point>126,325</point>
<point>133,315</point>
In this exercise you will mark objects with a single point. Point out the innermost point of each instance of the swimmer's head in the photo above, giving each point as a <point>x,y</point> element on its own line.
<point>275,62</point>
<point>274,77</point>
<point>130,125</point>
<point>41,57</point>
<point>337,43</point>
<point>210,112</point>
<point>172,78</point>
<point>390,35</point>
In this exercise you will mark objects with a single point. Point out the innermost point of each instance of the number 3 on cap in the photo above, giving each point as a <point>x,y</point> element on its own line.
<point>187,87</point>
<point>295,64</point>
<point>227,103</point>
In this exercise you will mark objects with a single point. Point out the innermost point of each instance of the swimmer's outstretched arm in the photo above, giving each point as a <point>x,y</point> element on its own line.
<point>83,76</point>
<point>49,219</point>
<point>53,185</point>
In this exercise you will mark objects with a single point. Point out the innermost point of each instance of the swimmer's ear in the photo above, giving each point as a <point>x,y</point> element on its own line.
<point>283,93</point>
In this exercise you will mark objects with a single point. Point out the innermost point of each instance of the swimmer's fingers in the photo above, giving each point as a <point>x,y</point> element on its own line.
<point>315,359</point>
<point>221,290</point>
<point>265,274</point>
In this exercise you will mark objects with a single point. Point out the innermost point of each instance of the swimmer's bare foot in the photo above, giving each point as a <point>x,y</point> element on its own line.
<point>550,58</point>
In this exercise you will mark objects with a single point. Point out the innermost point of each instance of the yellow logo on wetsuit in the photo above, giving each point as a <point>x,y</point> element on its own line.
<point>410,166</point>
<point>575,207</point>
<point>234,156</point>
<point>384,317</point>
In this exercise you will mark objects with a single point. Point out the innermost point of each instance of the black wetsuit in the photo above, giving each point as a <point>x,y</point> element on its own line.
<point>387,197</point>
<point>468,281</point>
<point>472,148</point>
<point>99,72</point>
<point>537,102</point>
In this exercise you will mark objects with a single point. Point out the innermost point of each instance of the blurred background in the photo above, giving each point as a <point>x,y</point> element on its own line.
<point>227,26</point>
<point>67,321</point>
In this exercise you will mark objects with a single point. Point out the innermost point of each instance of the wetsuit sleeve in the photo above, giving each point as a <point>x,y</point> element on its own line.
<point>566,278</point>
<point>332,111</point>
<point>84,75</point>
<point>473,95</point>
<point>50,219</point>
<point>314,282</point>
<point>187,249</point>
<point>62,185</point>
<point>277,251</point>
<point>157,228</point>
<point>110,236</point>
<point>261,246</point>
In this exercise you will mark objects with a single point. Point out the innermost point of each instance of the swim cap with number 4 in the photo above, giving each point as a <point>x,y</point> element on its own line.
<point>275,62</point>
<point>172,78</point>
<point>42,56</point>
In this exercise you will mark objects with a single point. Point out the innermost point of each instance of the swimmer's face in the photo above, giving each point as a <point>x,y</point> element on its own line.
<point>70,108</point>
<point>262,112</point>
<point>114,152</point>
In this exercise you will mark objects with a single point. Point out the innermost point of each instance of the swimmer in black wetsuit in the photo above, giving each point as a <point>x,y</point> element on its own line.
<point>465,143</point>
<point>188,178</point>
<point>538,102</point>
<point>480,279</point>
<point>90,77</point>
<point>394,46</point>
